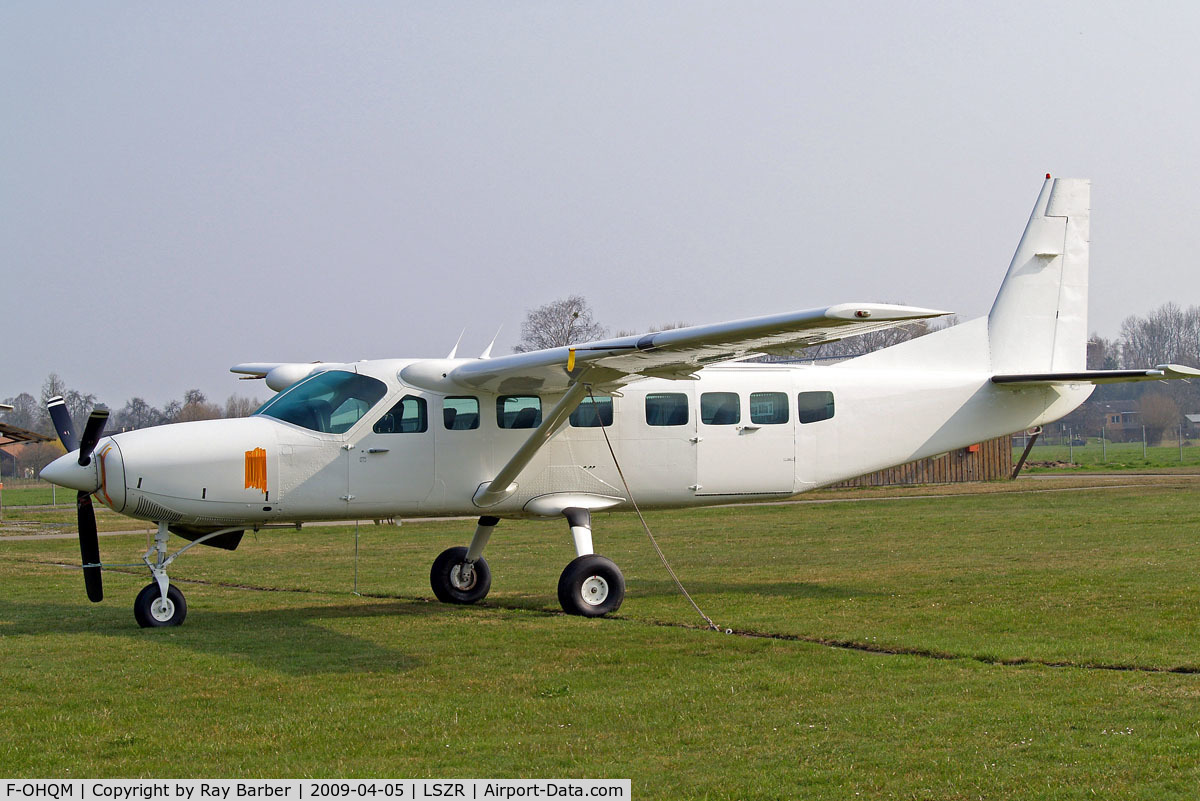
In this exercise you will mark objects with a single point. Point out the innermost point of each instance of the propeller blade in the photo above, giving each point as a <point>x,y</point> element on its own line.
<point>57,407</point>
<point>91,434</point>
<point>89,547</point>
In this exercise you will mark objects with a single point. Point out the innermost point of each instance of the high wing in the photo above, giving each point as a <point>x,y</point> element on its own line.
<point>677,353</point>
<point>1160,373</point>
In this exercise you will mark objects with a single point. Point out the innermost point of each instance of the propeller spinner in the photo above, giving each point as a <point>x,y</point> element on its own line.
<point>81,475</point>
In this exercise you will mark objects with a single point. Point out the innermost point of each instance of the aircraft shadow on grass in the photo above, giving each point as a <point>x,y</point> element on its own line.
<point>288,640</point>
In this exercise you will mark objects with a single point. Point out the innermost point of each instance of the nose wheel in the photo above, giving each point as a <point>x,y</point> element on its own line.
<point>152,610</point>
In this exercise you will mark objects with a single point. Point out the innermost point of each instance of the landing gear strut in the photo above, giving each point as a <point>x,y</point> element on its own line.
<point>159,603</point>
<point>590,586</point>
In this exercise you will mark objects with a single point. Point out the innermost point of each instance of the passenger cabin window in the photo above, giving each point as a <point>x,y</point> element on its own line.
<point>408,416</point>
<point>666,409</point>
<point>518,411</point>
<point>720,408</point>
<point>330,402</point>
<point>460,413</point>
<point>768,408</point>
<point>812,407</point>
<point>593,413</point>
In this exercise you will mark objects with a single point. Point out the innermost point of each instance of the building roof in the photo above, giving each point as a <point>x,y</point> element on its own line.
<point>10,434</point>
<point>1119,406</point>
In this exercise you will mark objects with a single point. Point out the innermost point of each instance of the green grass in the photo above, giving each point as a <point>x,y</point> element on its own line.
<point>999,645</point>
<point>1096,456</point>
<point>27,493</point>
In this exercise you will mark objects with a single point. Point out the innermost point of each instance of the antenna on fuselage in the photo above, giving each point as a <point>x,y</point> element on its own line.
<point>454,350</point>
<point>487,352</point>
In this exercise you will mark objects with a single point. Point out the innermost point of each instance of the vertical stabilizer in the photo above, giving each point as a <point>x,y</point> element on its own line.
<point>1039,319</point>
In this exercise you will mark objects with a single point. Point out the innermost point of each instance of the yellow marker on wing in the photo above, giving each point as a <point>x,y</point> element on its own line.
<point>570,359</point>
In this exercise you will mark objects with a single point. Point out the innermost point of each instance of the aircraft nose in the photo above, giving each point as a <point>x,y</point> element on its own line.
<point>65,471</point>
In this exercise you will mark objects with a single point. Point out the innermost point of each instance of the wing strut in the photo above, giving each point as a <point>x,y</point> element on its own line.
<point>492,492</point>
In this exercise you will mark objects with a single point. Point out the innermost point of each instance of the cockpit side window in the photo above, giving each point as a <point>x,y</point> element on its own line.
<point>330,402</point>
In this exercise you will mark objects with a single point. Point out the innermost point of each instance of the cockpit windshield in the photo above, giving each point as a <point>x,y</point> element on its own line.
<point>330,402</point>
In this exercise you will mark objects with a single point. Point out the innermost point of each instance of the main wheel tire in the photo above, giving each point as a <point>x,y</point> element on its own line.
<point>446,578</point>
<point>591,586</point>
<point>151,611</point>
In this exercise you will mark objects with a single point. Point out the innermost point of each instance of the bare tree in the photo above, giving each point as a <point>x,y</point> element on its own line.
<point>53,385</point>
<point>1168,334</point>
<point>24,412</point>
<point>876,340</point>
<point>237,406</point>
<point>196,407</point>
<point>170,412</point>
<point>37,455</point>
<point>1103,354</point>
<point>80,406</point>
<point>136,413</point>
<point>562,322</point>
<point>1159,414</point>
<point>654,329</point>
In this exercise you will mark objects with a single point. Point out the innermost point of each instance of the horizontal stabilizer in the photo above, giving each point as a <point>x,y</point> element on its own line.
<point>1160,373</point>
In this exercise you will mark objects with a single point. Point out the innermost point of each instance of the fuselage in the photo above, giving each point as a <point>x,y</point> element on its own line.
<point>737,431</point>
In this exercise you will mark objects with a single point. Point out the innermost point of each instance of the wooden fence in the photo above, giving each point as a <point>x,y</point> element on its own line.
<point>986,461</point>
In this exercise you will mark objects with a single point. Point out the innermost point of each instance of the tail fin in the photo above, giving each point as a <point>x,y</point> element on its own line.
<point>1038,321</point>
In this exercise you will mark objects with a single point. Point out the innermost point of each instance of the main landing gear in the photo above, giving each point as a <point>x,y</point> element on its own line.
<point>591,585</point>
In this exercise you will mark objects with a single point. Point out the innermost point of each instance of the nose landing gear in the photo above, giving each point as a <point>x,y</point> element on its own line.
<point>161,603</point>
<point>152,610</point>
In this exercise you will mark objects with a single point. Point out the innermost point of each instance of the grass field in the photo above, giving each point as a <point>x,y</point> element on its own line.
<point>29,493</point>
<point>1098,456</point>
<point>1032,644</point>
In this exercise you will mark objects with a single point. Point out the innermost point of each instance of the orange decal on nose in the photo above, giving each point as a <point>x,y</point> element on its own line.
<point>256,469</point>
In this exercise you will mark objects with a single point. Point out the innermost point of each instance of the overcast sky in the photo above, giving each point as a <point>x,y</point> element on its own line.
<point>185,186</point>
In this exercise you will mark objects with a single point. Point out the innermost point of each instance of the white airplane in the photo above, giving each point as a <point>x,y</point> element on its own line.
<point>528,435</point>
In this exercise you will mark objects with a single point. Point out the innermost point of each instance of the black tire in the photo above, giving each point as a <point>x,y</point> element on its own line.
<point>591,586</point>
<point>445,574</point>
<point>150,614</point>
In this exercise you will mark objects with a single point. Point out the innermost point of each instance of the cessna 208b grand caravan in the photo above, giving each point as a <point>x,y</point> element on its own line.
<point>527,435</point>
